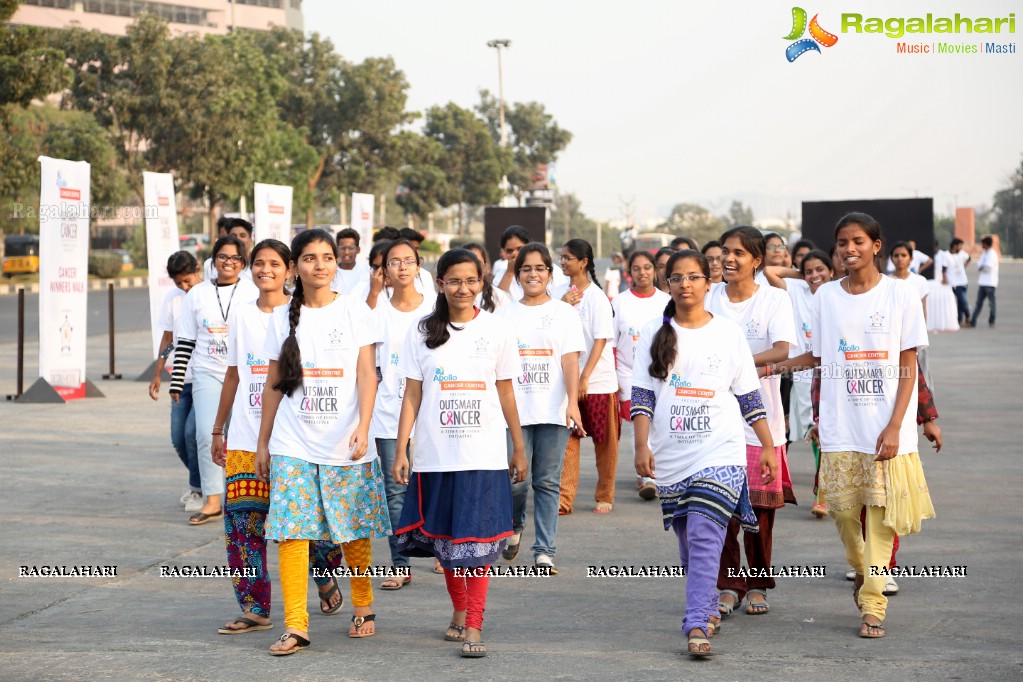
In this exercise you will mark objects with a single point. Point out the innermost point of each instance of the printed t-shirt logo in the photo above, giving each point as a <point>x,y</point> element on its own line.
<point>394,359</point>
<point>318,396</point>
<point>458,413</point>
<point>218,338</point>
<point>546,322</point>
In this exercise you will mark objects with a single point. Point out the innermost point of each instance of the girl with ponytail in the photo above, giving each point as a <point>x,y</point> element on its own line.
<point>598,383</point>
<point>459,364</point>
<point>693,385</point>
<point>490,297</point>
<point>314,447</point>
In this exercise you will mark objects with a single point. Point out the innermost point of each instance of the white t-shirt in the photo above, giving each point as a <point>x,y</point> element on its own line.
<point>460,425</point>
<point>558,278</point>
<point>697,422</point>
<point>956,264</point>
<point>802,317</point>
<point>988,266</point>
<point>392,328</point>
<point>598,323</point>
<point>169,312</point>
<point>631,313</point>
<point>919,259</point>
<point>765,318</point>
<point>315,423</point>
<point>245,341</point>
<point>919,284</point>
<point>500,297</point>
<point>346,281</point>
<point>858,339</point>
<point>544,333</point>
<point>204,315</point>
<point>612,280</point>
<point>941,264</point>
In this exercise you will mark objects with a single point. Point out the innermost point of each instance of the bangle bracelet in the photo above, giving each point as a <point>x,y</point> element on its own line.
<point>767,369</point>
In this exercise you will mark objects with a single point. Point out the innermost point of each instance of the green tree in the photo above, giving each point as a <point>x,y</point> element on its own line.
<point>1006,218</point>
<point>29,68</point>
<point>423,185</point>
<point>739,214</point>
<point>694,221</point>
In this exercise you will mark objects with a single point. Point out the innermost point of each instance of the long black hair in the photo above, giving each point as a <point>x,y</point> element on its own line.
<point>580,248</point>
<point>488,280</point>
<point>435,325</point>
<point>664,347</point>
<point>289,363</point>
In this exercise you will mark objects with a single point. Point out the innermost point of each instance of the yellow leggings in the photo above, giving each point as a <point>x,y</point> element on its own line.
<point>875,551</point>
<point>294,560</point>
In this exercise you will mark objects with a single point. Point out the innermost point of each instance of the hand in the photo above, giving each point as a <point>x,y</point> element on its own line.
<point>644,461</point>
<point>359,443</point>
<point>217,450</point>
<point>517,467</point>
<point>572,296</point>
<point>574,420</point>
<point>175,396</point>
<point>813,436</point>
<point>768,465</point>
<point>400,468</point>
<point>263,463</point>
<point>376,281</point>
<point>154,388</point>
<point>887,443</point>
<point>932,432</point>
<point>584,386</point>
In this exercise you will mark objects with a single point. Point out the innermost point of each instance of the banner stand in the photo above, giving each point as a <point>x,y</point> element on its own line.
<point>91,391</point>
<point>147,373</point>
<point>40,392</point>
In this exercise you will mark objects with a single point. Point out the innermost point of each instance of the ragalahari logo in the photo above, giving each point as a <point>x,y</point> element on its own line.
<point>803,45</point>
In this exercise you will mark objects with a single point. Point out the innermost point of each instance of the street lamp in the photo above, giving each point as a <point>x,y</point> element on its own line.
<point>497,45</point>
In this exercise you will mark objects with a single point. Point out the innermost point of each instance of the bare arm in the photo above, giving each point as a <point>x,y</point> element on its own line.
<point>154,386</point>
<point>409,410</point>
<point>768,462</point>
<point>366,386</point>
<point>227,394</point>
<point>776,275</point>
<point>271,401</point>
<point>776,353</point>
<point>570,368</point>
<point>888,439</point>
<point>591,364</point>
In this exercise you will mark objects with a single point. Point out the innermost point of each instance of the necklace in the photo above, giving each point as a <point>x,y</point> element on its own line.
<point>848,285</point>
<point>229,301</point>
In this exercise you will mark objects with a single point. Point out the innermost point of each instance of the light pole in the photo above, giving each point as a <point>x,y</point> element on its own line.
<point>498,45</point>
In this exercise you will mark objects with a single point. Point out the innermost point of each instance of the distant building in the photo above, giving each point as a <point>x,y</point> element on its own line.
<point>184,16</point>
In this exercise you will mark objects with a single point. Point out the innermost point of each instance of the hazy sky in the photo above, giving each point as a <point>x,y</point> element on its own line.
<point>675,100</point>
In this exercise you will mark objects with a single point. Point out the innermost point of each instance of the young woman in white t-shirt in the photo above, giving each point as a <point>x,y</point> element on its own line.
<point>314,446</point>
<point>765,316</point>
<point>598,384</point>
<point>459,364</point>
<point>202,329</point>
<point>632,309</point>
<point>395,319</point>
<point>248,498</point>
<point>490,298</point>
<point>901,257</point>
<point>549,339</point>
<point>693,384</point>
<point>867,329</point>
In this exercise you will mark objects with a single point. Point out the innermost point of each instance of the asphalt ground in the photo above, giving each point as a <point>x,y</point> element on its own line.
<point>95,482</point>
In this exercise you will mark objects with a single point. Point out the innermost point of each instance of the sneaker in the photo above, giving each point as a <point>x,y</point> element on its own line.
<point>648,491</point>
<point>194,503</point>
<point>851,575</point>
<point>890,587</point>
<point>185,497</point>
<point>544,561</point>
<point>511,550</point>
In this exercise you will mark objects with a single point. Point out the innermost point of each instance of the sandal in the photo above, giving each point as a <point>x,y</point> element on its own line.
<point>473,649</point>
<point>699,645</point>
<point>757,608</point>
<point>396,583</point>
<point>325,599</point>
<point>871,630</point>
<point>603,508</point>
<point>357,621</point>
<point>437,568</point>
<point>250,626</point>
<point>199,518</point>
<point>460,629</point>
<point>300,643</point>
<point>713,626</point>
<point>726,609</point>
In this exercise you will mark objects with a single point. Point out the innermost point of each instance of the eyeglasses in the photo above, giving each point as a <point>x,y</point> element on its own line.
<point>528,269</point>
<point>398,262</point>
<point>223,258</point>
<point>348,249</point>
<point>456,284</point>
<point>713,259</point>
<point>678,279</point>
<point>565,256</point>
<point>776,247</point>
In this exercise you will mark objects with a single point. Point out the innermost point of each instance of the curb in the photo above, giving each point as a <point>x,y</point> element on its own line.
<point>94,285</point>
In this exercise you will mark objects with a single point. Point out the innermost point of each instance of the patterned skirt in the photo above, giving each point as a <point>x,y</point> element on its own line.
<point>777,493</point>
<point>717,493</point>
<point>460,517</point>
<point>245,492</point>
<point>322,502</point>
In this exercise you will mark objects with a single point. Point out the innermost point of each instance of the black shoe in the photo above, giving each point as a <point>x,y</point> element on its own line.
<point>511,551</point>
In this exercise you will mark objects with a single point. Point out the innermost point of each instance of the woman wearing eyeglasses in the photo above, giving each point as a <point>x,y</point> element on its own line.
<point>550,338</point>
<point>632,310</point>
<point>201,329</point>
<point>394,319</point>
<point>693,385</point>
<point>459,364</point>
<point>765,316</point>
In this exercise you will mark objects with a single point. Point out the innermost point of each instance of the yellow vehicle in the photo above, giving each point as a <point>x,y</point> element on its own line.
<point>21,254</point>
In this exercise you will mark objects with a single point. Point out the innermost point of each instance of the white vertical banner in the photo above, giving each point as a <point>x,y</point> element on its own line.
<point>362,217</point>
<point>273,212</point>
<point>63,274</point>
<point>161,241</point>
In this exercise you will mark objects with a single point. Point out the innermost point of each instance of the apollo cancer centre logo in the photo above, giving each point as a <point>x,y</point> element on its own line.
<point>818,36</point>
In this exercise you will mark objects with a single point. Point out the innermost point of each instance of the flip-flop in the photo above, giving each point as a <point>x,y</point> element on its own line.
<point>401,581</point>
<point>199,518</point>
<point>325,599</point>
<point>473,649</point>
<point>437,568</point>
<point>250,626</point>
<point>871,626</point>
<point>460,629</point>
<point>302,643</point>
<point>727,609</point>
<point>358,621</point>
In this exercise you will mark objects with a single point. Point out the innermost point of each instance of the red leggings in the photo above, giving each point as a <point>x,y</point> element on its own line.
<point>468,594</point>
<point>863,524</point>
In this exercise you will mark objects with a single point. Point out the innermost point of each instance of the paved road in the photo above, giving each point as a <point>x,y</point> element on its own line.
<point>131,313</point>
<point>95,482</point>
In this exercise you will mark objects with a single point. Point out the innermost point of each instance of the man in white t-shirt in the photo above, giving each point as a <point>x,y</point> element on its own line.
<point>350,271</point>
<point>613,276</point>
<point>955,264</point>
<point>987,283</point>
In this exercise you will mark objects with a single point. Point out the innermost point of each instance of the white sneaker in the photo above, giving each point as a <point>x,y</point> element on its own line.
<point>185,497</point>
<point>851,575</point>
<point>194,503</point>
<point>544,561</point>
<point>890,587</point>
